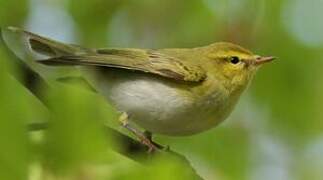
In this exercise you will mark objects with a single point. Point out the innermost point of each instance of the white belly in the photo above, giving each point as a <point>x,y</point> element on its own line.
<point>157,106</point>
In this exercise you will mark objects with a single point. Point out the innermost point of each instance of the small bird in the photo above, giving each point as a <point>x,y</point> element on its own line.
<point>172,92</point>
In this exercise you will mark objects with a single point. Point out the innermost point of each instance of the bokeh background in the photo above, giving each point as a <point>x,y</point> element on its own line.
<point>276,131</point>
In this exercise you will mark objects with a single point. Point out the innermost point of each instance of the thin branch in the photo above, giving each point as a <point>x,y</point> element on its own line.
<point>127,146</point>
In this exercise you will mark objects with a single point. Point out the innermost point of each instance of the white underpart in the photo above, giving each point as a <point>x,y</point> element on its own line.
<point>149,99</point>
<point>157,106</point>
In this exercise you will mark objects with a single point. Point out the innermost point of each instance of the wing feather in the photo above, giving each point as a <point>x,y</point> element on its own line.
<point>149,61</point>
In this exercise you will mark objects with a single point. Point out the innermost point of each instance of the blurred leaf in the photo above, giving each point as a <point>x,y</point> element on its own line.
<point>13,12</point>
<point>14,152</point>
<point>224,149</point>
<point>163,167</point>
<point>75,137</point>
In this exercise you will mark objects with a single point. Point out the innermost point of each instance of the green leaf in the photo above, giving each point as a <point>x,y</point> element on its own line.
<point>14,152</point>
<point>75,136</point>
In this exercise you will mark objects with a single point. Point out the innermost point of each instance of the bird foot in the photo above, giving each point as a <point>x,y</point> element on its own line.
<point>145,138</point>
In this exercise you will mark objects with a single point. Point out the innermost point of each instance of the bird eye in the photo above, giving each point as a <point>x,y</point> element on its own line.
<point>234,60</point>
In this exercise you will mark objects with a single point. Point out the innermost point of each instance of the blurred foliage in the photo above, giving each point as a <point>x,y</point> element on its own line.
<point>74,123</point>
<point>274,133</point>
<point>92,17</point>
<point>14,154</point>
<point>11,13</point>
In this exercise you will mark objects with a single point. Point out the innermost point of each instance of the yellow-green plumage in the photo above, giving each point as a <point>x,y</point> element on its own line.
<point>166,91</point>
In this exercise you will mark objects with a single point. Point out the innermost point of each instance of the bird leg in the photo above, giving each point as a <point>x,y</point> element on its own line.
<point>145,138</point>
<point>148,135</point>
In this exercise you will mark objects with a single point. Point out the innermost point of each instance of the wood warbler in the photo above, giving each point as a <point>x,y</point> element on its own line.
<point>167,91</point>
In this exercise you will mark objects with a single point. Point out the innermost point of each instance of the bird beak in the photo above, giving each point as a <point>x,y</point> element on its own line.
<point>262,60</point>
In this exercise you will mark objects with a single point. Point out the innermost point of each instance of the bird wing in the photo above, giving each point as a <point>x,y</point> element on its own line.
<point>149,61</point>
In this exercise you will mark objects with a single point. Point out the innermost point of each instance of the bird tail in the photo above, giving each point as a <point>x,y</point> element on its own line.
<point>45,46</point>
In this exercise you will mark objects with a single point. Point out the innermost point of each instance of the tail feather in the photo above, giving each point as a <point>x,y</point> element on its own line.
<point>48,47</point>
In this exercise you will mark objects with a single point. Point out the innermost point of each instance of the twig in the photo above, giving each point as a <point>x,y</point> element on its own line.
<point>127,146</point>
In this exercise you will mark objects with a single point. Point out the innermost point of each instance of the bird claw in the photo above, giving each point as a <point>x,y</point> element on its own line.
<point>151,147</point>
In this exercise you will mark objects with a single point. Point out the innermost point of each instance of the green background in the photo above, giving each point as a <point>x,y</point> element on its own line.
<point>274,133</point>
